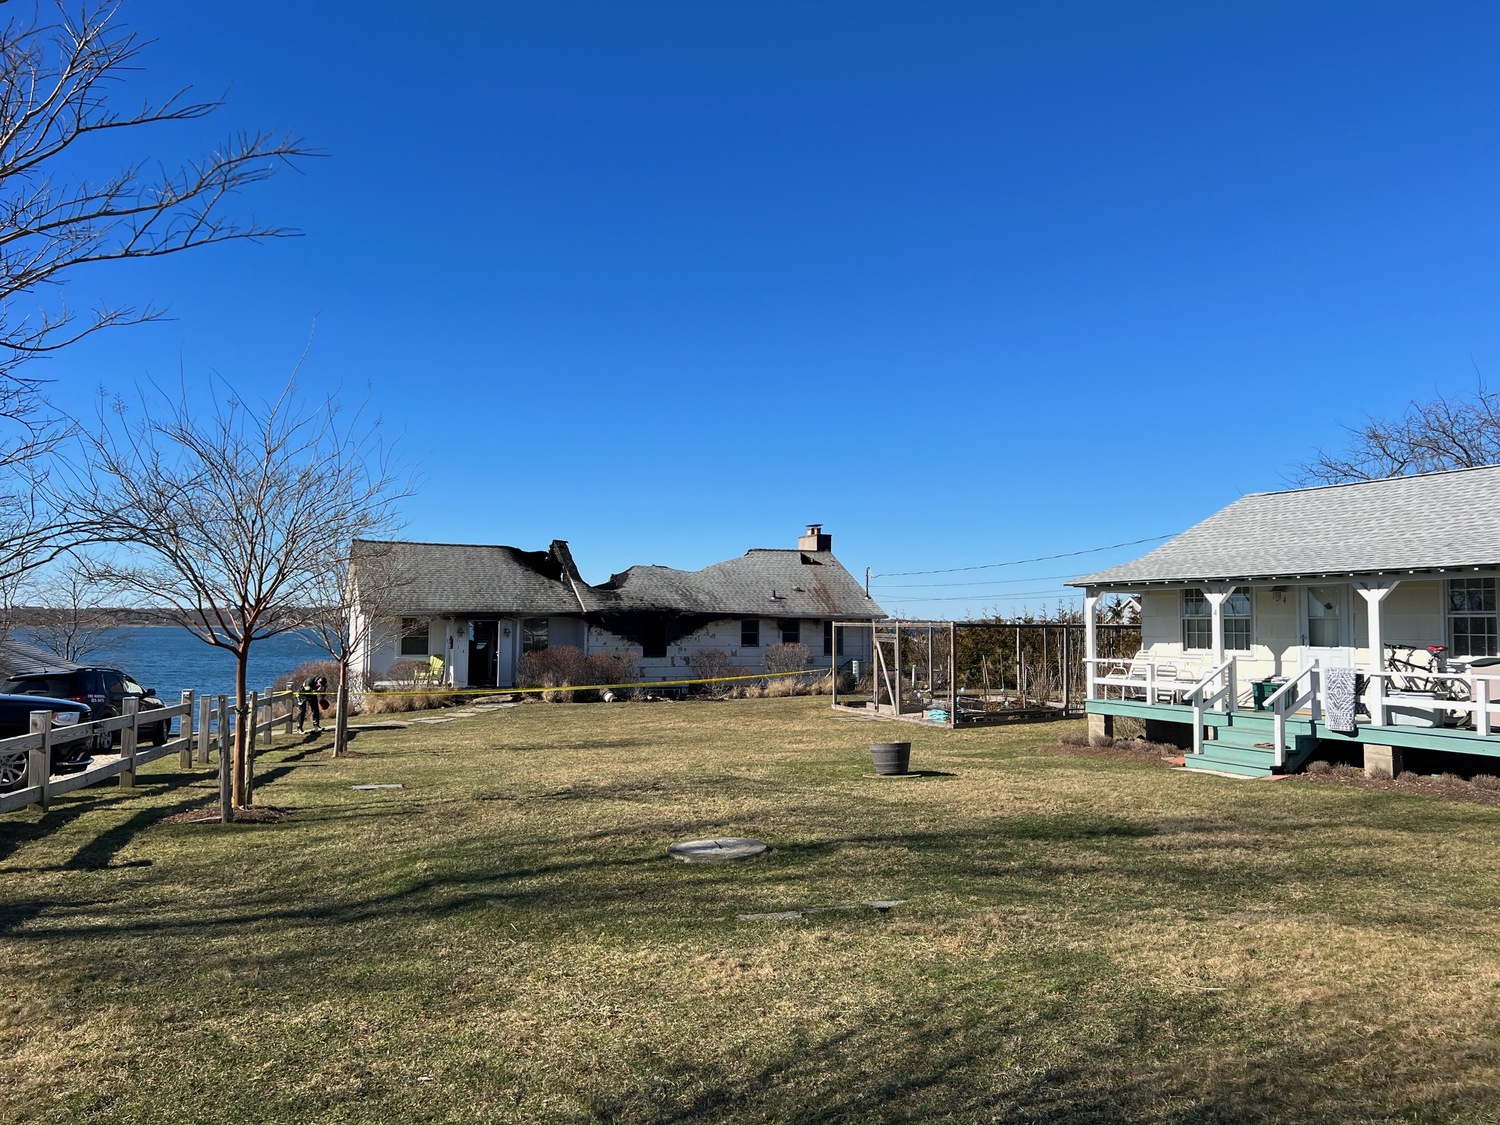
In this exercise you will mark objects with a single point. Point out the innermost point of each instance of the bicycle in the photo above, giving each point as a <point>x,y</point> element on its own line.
<point>1434,678</point>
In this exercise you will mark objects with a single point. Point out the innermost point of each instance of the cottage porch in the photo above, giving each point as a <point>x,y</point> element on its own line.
<point>1260,728</point>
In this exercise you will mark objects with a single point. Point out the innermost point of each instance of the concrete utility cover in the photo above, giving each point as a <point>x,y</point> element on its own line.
<point>716,851</point>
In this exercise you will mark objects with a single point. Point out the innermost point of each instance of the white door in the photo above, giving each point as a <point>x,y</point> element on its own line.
<point>1327,628</point>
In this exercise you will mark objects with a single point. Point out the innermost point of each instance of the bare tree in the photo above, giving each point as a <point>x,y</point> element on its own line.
<point>1449,432</point>
<point>66,609</point>
<point>59,211</point>
<point>226,516</point>
<point>361,584</point>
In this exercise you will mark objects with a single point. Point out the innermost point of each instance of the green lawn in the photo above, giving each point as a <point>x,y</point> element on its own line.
<point>503,938</point>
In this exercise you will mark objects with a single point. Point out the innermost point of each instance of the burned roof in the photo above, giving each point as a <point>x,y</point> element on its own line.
<point>761,583</point>
<point>468,580</point>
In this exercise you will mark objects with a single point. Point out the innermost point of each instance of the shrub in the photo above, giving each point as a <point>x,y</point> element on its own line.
<point>709,664</point>
<point>407,688</point>
<point>1319,768</point>
<point>608,668</point>
<point>1486,781</point>
<point>787,657</point>
<point>557,667</point>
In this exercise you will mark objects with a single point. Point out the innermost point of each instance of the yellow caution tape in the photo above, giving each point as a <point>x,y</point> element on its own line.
<point>439,689</point>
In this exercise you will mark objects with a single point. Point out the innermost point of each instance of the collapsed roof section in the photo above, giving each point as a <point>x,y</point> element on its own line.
<point>463,580</point>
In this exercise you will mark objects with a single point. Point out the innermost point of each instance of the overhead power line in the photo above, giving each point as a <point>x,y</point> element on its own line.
<point>1023,562</point>
<point>984,582</point>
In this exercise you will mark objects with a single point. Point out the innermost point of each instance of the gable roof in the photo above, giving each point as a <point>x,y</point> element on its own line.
<point>468,580</point>
<point>1433,522</point>
<point>464,579</point>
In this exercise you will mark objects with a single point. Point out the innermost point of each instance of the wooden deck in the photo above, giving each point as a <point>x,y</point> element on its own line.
<point>1239,742</point>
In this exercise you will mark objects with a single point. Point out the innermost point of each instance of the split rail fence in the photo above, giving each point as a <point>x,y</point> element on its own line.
<point>204,731</point>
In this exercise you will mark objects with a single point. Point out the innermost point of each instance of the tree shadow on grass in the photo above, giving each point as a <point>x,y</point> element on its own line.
<point>971,1056</point>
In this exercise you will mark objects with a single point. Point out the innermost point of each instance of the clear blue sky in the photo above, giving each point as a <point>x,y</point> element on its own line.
<point>966,282</point>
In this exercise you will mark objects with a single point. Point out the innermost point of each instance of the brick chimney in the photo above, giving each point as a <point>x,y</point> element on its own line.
<point>815,540</point>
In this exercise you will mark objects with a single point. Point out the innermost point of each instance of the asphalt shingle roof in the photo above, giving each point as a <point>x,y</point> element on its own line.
<point>1432,522</point>
<point>760,583</point>
<point>458,579</point>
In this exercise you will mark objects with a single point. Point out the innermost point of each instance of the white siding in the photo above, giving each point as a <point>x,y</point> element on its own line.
<point>724,635</point>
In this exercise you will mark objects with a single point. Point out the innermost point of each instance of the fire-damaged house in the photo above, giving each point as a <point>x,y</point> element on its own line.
<point>473,611</point>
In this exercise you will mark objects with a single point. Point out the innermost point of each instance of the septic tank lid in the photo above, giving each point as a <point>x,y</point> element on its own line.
<point>719,850</point>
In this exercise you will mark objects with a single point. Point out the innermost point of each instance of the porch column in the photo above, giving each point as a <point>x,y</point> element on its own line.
<point>1216,595</point>
<point>1090,641</point>
<point>1375,591</point>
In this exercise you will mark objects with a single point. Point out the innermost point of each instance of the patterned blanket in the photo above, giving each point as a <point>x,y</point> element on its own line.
<point>1339,699</point>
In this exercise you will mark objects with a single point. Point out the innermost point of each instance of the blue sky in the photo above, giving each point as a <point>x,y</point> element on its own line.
<point>967,283</point>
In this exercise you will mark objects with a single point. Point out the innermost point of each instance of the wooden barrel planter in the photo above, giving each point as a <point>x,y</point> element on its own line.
<point>891,758</point>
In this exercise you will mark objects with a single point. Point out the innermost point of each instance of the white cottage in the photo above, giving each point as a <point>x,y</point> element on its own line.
<point>1247,618</point>
<point>473,611</point>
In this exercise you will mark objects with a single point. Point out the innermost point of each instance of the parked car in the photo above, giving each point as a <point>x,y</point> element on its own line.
<point>103,689</point>
<point>15,718</point>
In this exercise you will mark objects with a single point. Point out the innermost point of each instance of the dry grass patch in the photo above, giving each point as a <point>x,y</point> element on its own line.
<point>504,939</point>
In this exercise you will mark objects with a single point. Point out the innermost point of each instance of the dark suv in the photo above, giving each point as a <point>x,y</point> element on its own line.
<point>15,718</point>
<point>103,689</point>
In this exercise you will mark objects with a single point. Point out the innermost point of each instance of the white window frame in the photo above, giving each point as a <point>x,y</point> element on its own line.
<point>1207,618</point>
<point>1486,588</point>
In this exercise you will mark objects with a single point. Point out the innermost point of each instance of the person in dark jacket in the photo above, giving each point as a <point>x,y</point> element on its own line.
<point>310,697</point>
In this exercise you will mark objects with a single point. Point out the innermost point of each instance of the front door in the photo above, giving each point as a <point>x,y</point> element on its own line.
<point>483,638</point>
<point>1327,627</point>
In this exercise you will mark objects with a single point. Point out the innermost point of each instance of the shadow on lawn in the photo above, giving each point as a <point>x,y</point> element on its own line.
<point>969,1056</point>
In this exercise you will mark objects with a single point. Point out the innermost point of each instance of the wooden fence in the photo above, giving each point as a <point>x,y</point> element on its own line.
<point>204,729</point>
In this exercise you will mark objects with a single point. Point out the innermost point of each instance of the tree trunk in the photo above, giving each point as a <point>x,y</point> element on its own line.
<point>241,731</point>
<point>341,719</point>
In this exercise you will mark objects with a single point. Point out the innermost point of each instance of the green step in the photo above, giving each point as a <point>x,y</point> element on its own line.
<point>1207,763</point>
<point>1246,755</point>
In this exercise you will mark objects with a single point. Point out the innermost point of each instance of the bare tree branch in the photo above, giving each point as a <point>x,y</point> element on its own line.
<point>237,515</point>
<point>60,66</point>
<point>1450,432</point>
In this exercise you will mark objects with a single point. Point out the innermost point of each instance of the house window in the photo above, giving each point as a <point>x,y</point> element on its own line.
<point>791,630</point>
<point>1198,621</point>
<point>533,634</point>
<point>827,638</point>
<point>1472,617</point>
<point>654,640</point>
<point>750,633</point>
<point>414,636</point>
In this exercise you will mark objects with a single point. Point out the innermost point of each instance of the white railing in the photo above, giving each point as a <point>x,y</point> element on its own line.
<point>1456,699</point>
<point>1290,698</point>
<point>1202,695</point>
<point>1150,680</point>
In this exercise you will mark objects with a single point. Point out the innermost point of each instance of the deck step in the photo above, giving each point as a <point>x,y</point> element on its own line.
<point>1205,763</point>
<point>1223,751</point>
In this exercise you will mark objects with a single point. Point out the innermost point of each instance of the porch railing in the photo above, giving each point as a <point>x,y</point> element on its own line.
<point>1302,690</point>
<point>1204,695</point>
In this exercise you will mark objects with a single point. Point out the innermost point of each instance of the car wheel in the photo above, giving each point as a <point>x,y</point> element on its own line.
<point>12,769</point>
<point>161,734</point>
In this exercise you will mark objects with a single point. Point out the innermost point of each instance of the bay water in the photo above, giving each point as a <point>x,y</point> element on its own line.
<point>170,659</point>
